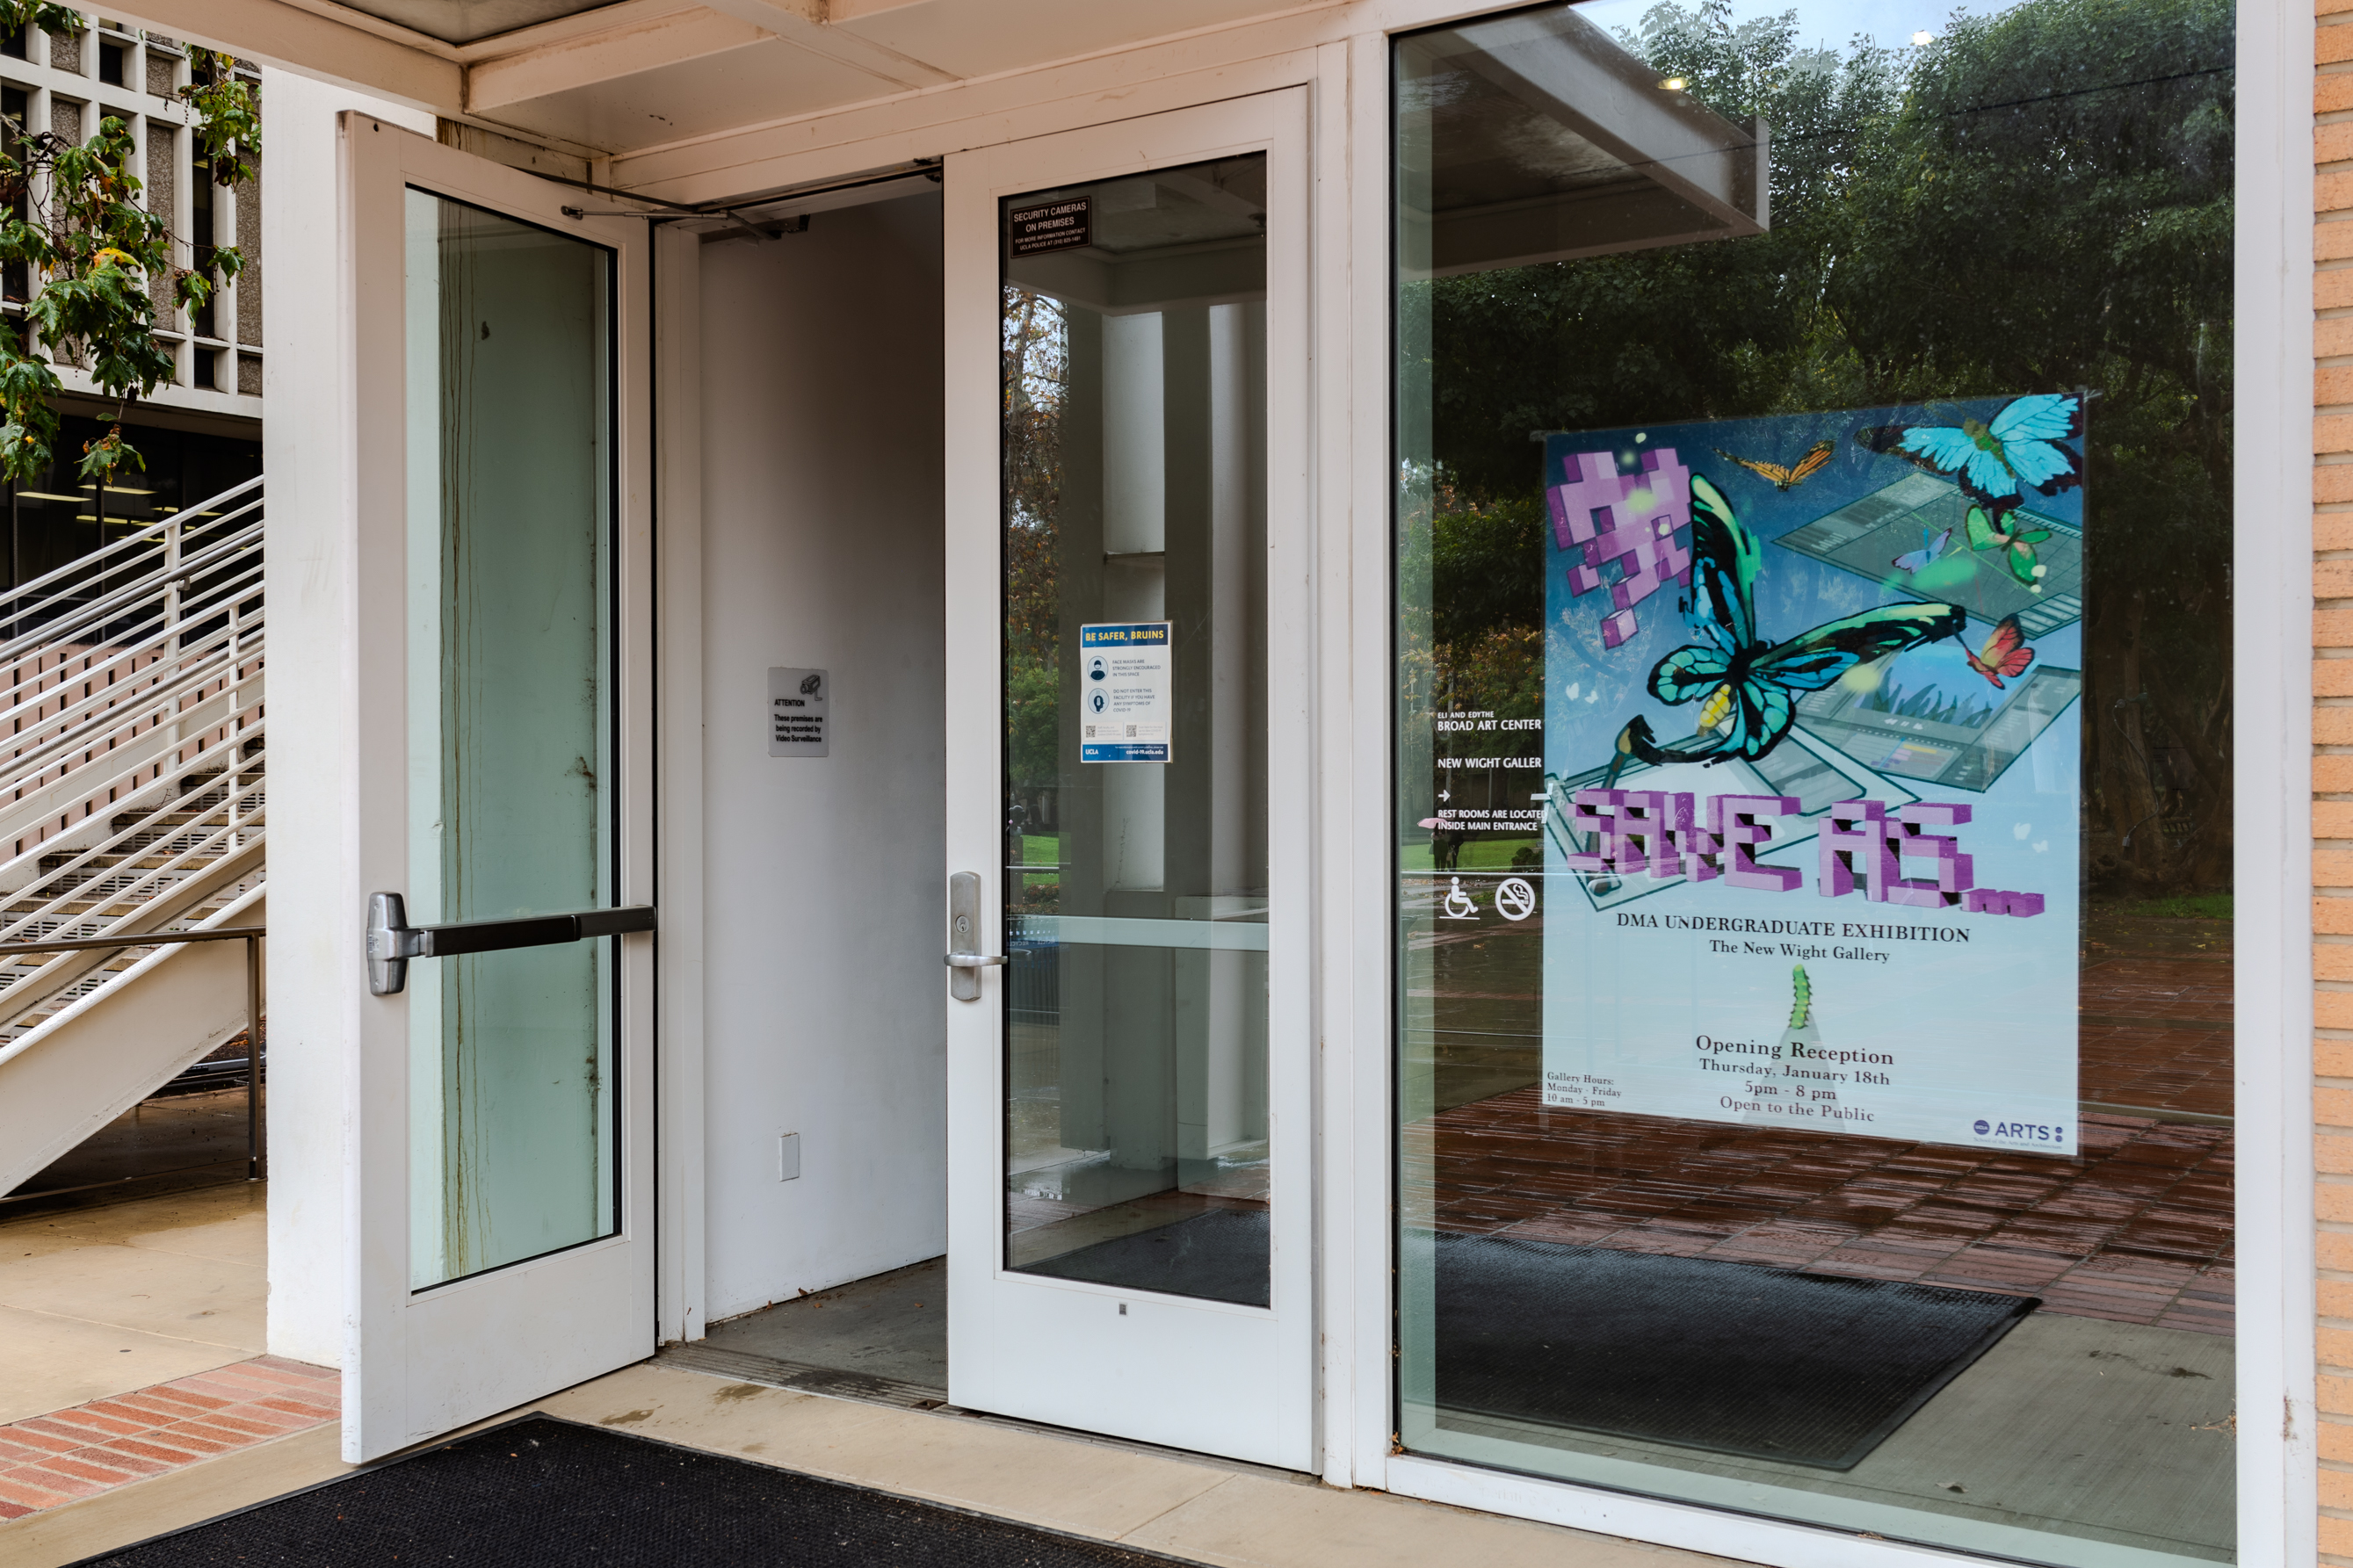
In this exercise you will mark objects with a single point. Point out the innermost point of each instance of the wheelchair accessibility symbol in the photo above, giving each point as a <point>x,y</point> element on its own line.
<point>1459,906</point>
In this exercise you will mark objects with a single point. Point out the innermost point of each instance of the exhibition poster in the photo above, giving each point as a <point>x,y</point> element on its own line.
<point>1811,767</point>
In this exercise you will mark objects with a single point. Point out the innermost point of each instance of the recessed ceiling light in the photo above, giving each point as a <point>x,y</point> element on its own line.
<point>1673,84</point>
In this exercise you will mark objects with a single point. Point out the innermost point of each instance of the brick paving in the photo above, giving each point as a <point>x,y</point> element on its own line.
<point>2156,1032</point>
<point>78,1453</point>
<point>2136,1230</point>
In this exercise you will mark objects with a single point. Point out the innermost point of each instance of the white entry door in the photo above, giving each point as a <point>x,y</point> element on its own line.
<point>1128,1041</point>
<point>502,1235</point>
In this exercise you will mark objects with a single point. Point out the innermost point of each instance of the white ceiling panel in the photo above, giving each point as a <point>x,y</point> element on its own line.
<point>980,38</point>
<point>767,80</point>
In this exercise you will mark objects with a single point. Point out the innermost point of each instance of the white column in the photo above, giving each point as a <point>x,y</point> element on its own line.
<point>1227,1007</point>
<point>1136,574</point>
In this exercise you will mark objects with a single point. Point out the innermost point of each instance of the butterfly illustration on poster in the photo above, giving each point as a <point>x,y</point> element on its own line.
<point>1748,687</point>
<point>1791,477</point>
<point>2004,653</point>
<point>2017,543</point>
<point>1813,688</point>
<point>1947,549</point>
<point>2022,448</point>
<point>1932,549</point>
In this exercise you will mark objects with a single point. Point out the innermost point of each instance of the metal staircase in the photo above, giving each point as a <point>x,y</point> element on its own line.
<point>132,800</point>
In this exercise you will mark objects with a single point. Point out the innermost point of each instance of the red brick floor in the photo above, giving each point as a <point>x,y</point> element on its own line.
<point>2136,1230</point>
<point>2157,987</point>
<point>2156,1032</point>
<point>90,1448</point>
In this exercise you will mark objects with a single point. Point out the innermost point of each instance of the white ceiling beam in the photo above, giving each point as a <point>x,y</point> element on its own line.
<point>802,23</point>
<point>585,59</point>
<point>312,45</point>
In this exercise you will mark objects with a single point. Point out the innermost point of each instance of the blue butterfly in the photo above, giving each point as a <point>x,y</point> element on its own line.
<point>1996,462</point>
<point>1932,545</point>
<point>1745,685</point>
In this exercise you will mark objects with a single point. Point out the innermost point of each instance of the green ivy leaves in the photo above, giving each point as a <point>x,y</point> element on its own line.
<point>229,126</point>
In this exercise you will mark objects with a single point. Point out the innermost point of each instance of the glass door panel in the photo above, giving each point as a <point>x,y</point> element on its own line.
<point>510,450</point>
<point>1134,333</point>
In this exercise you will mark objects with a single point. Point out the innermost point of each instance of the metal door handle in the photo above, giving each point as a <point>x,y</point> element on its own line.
<point>964,934</point>
<point>392,942</point>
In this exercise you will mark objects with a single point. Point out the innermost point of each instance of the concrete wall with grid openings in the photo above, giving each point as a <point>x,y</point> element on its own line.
<point>68,85</point>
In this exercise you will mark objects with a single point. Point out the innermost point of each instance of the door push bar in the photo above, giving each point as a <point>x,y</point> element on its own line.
<point>392,942</point>
<point>964,923</point>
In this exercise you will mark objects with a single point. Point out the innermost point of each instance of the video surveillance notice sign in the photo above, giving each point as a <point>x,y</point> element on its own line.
<point>797,712</point>
<point>1123,700</point>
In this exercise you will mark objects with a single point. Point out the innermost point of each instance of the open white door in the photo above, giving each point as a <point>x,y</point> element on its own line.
<point>500,1228</point>
<point>1129,1052</point>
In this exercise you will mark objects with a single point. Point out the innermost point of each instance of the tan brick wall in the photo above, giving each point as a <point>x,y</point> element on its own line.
<point>2332,763</point>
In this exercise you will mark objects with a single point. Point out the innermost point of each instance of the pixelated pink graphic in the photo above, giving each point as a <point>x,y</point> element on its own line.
<point>1634,830</point>
<point>1597,513</point>
<point>1864,846</point>
<point>1865,842</point>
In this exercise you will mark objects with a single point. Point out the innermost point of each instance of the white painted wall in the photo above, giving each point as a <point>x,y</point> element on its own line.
<point>825,898</point>
<point>316,974</point>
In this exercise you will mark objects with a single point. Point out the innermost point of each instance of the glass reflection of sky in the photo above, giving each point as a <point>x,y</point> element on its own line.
<point>1820,23</point>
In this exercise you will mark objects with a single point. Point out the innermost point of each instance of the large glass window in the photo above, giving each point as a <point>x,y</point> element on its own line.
<point>1813,838</point>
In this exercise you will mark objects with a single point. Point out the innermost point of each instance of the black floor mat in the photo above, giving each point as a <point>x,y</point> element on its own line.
<point>1220,1255</point>
<point>1735,1357</point>
<point>542,1493</point>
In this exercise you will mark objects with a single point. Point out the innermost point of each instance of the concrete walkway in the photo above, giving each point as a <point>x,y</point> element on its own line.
<point>100,1303</point>
<point>1196,1510</point>
<point>97,1302</point>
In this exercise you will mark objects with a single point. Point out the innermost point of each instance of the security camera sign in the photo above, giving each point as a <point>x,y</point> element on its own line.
<point>797,712</point>
<point>1124,704</point>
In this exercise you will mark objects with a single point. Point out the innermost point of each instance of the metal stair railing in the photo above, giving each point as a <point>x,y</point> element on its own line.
<point>132,791</point>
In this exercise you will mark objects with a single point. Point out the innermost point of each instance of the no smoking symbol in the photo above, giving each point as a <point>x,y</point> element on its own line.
<point>1514,899</point>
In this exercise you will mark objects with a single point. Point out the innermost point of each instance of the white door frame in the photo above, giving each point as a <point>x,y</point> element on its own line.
<point>419,1365</point>
<point>1207,1375</point>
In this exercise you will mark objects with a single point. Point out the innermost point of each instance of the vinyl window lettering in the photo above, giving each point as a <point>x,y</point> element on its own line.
<point>1813,812</point>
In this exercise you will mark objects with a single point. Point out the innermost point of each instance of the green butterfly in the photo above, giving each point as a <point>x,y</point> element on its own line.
<point>2017,546</point>
<point>1747,686</point>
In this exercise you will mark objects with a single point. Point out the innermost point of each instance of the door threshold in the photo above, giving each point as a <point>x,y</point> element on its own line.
<point>801,1377</point>
<point>1135,1446</point>
<point>866,1388</point>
